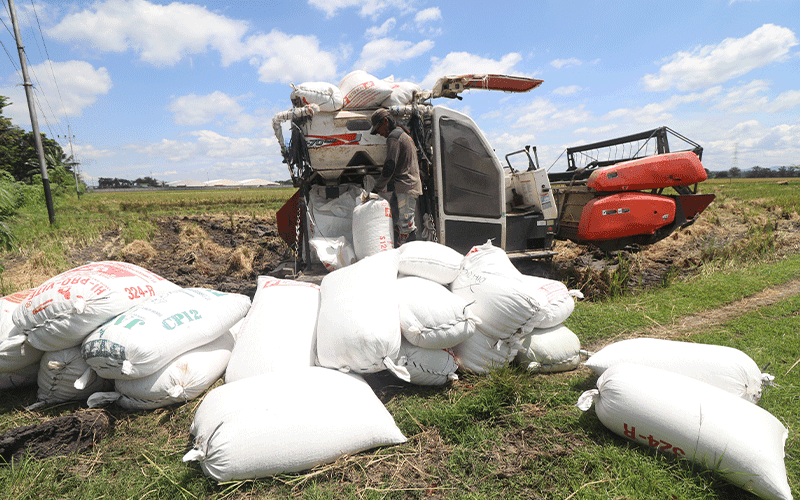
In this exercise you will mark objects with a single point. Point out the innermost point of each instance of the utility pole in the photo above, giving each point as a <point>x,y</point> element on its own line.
<point>37,138</point>
<point>75,166</point>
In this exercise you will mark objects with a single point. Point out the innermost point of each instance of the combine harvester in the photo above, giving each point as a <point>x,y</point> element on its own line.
<point>469,195</point>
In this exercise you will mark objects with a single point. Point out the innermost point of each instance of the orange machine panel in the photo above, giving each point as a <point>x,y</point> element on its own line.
<point>652,172</point>
<point>625,214</point>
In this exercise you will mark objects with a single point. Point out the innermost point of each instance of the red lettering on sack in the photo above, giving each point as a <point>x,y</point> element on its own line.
<point>42,307</point>
<point>631,433</point>
<point>388,212</point>
<point>64,292</point>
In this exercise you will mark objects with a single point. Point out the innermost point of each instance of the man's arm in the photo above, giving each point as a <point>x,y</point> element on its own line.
<point>389,165</point>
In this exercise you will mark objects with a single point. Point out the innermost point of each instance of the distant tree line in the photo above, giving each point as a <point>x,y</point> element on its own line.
<point>115,183</point>
<point>757,172</point>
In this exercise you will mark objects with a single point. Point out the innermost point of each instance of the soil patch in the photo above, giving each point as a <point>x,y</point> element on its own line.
<point>59,436</point>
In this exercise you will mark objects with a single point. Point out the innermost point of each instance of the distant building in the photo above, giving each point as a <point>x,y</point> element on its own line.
<point>257,183</point>
<point>186,183</point>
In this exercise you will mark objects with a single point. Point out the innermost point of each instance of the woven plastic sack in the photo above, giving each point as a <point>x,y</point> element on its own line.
<point>143,340</point>
<point>15,350</point>
<point>373,229</point>
<point>63,310</point>
<point>431,316</point>
<point>430,260</point>
<point>287,421</point>
<point>358,328</point>
<point>548,350</point>
<point>332,218</point>
<point>326,95</point>
<point>362,90</point>
<point>183,379</point>
<point>725,367</point>
<point>65,376</point>
<point>428,366</point>
<point>690,419</point>
<point>560,301</point>
<point>23,377</point>
<point>402,94</point>
<point>333,253</point>
<point>278,331</point>
<point>482,354</point>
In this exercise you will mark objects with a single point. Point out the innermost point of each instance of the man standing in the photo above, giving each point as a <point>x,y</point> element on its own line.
<point>400,173</point>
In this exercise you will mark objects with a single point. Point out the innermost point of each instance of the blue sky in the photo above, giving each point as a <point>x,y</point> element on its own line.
<point>187,90</point>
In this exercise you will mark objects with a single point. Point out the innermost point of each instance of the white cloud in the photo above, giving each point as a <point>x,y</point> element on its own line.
<point>198,110</point>
<point>215,145</point>
<point>290,58</point>
<point>428,15</point>
<point>378,53</point>
<point>89,152</point>
<point>161,35</point>
<point>541,115</point>
<point>572,89</point>
<point>596,130</point>
<point>366,8</point>
<point>382,30</point>
<point>459,63</point>
<point>79,84</point>
<point>565,63</point>
<point>785,101</point>
<point>713,64</point>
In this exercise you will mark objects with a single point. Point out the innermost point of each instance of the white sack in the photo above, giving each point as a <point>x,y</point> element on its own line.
<point>63,310</point>
<point>333,253</point>
<point>332,218</point>
<point>287,421</point>
<point>560,300</point>
<point>15,350</point>
<point>146,338</point>
<point>547,350</point>
<point>498,294</point>
<point>432,316</point>
<point>278,331</point>
<point>184,378</point>
<point>65,376</point>
<point>23,377</point>
<point>693,420</point>
<point>725,367</point>
<point>362,90</point>
<point>482,354</point>
<point>402,94</point>
<point>430,260</point>
<point>428,366</point>
<point>373,229</point>
<point>326,95</point>
<point>359,321</point>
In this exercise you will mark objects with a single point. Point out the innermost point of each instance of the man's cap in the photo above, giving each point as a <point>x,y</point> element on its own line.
<point>376,119</point>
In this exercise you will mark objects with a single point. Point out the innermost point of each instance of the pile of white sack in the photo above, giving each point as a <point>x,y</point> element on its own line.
<point>694,401</point>
<point>358,89</point>
<point>113,331</point>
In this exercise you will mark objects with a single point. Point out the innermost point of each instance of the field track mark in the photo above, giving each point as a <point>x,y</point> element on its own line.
<point>688,324</point>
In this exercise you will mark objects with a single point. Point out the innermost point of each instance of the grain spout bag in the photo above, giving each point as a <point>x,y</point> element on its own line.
<point>144,339</point>
<point>278,331</point>
<point>725,367</point>
<point>690,419</point>
<point>287,421</point>
<point>63,310</point>
<point>358,328</point>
